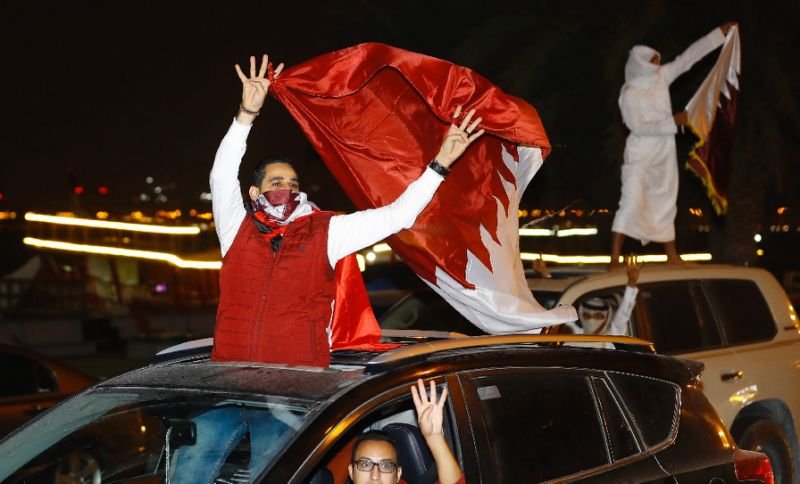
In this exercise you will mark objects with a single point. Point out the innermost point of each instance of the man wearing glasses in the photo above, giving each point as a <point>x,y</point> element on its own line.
<point>374,457</point>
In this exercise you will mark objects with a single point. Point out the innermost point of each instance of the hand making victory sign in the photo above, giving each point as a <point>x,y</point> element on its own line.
<point>430,418</point>
<point>458,138</point>
<point>255,88</point>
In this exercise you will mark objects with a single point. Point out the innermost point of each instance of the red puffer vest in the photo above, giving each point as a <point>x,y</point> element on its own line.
<point>275,307</point>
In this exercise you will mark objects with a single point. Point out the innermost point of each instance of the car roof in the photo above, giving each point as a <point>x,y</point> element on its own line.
<point>193,370</point>
<point>649,273</point>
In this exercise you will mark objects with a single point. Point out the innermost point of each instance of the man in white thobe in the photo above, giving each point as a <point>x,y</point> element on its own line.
<point>647,207</point>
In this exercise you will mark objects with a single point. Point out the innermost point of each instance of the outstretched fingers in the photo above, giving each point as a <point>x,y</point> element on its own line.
<point>466,120</point>
<point>252,66</point>
<point>239,72</point>
<point>475,136</point>
<point>278,70</point>
<point>474,125</point>
<point>264,64</point>
<point>423,395</point>
<point>416,398</point>
<point>442,398</point>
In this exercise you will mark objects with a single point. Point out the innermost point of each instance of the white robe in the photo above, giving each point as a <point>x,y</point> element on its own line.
<point>647,207</point>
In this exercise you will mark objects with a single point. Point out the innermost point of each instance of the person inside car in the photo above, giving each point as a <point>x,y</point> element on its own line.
<point>596,315</point>
<point>374,455</point>
<point>277,280</point>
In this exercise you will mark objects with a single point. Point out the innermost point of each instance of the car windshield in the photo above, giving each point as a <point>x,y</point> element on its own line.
<point>124,434</point>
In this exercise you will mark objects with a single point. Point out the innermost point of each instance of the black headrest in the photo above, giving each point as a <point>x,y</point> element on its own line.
<point>322,476</point>
<point>412,453</point>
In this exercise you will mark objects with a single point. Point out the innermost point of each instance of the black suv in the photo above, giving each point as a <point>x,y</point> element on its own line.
<point>523,408</point>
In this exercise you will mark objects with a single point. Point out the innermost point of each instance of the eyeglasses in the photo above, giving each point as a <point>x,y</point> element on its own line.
<point>384,466</point>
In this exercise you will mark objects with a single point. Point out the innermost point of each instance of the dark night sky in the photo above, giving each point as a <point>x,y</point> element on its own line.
<point>116,91</point>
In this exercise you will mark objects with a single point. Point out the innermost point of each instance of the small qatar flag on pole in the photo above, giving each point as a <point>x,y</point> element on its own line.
<point>377,115</point>
<point>712,116</point>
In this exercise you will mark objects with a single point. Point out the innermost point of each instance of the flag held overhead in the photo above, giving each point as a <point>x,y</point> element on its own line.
<point>377,114</point>
<point>712,117</point>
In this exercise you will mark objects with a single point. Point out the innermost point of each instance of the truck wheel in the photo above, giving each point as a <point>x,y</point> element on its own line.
<point>769,438</point>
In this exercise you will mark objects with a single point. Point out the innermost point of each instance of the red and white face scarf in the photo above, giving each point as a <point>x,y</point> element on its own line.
<point>277,205</point>
<point>277,208</point>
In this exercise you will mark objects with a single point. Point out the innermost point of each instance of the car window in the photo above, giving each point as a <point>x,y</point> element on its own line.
<point>123,434</point>
<point>652,403</point>
<point>542,425</point>
<point>619,432</point>
<point>675,315</point>
<point>395,417</point>
<point>19,376</point>
<point>426,310</point>
<point>742,311</point>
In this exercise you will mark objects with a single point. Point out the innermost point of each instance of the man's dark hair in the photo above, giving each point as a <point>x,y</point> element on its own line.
<point>260,172</point>
<point>372,435</point>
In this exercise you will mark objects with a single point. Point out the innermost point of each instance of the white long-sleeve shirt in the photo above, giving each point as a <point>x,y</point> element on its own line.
<point>346,233</point>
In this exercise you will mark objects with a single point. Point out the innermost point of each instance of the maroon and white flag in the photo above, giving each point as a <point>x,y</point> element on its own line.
<point>377,115</point>
<point>712,115</point>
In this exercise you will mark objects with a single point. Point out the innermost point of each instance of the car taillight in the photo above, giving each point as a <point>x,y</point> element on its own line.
<point>752,466</point>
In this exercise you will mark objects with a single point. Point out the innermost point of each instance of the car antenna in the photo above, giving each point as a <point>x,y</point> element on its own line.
<point>549,215</point>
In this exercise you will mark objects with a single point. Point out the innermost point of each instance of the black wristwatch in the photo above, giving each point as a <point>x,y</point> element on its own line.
<point>438,168</point>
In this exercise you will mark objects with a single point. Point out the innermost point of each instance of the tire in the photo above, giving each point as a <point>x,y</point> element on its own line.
<point>769,438</point>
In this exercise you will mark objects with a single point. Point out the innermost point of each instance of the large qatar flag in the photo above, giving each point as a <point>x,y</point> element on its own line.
<point>377,115</point>
<point>712,116</point>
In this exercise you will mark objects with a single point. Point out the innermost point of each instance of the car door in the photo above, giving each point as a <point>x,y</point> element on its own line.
<point>536,425</point>
<point>27,388</point>
<point>748,328</point>
<point>677,317</point>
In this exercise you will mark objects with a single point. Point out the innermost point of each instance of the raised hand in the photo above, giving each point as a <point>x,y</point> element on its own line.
<point>634,267</point>
<point>458,138</point>
<point>540,266</point>
<point>430,416</point>
<point>430,411</point>
<point>255,87</point>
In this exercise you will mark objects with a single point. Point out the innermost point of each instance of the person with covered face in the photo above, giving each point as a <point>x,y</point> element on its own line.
<point>280,251</point>
<point>647,207</point>
<point>596,316</point>
<point>277,282</point>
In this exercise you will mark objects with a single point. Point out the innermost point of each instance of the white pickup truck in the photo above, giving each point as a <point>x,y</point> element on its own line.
<point>739,322</point>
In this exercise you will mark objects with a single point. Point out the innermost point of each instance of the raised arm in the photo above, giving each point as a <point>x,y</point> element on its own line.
<point>699,49</point>
<point>226,196</point>
<point>430,417</point>
<point>352,232</point>
<point>619,323</point>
